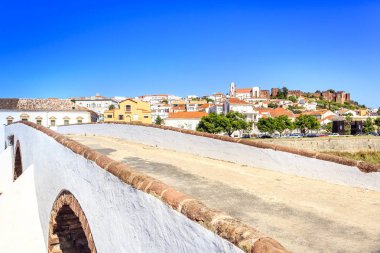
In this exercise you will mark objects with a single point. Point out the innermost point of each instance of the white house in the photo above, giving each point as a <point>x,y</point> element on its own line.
<point>185,120</point>
<point>344,112</point>
<point>154,99</point>
<point>237,105</point>
<point>217,108</point>
<point>97,103</point>
<point>46,112</point>
<point>161,110</point>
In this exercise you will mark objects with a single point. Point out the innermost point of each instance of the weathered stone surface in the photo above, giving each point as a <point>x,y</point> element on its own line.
<point>268,245</point>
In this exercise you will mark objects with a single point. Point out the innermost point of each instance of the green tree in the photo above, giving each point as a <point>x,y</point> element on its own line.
<point>215,123</point>
<point>347,123</point>
<point>111,107</point>
<point>378,111</point>
<point>159,120</point>
<point>266,125</point>
<point>282,123</point>
<point>285,91</point>
<point>272,105</point>
<point>368,126</point>
<point>331,90</point>
<point>209,100</point>
<point>377,123</point>
<point>307,122</point>
<point>212,123</point>
<point>292,98</point>
<point>327,127</point>
<point>235,121</point>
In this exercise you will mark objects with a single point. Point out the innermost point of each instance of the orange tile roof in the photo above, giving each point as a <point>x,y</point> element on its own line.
<point>204,106</point>
<point>237,101</point>
<point>331,117</point>
<point>243,90</point>
<point>180,107</point>
<point>281,111</point>
<point>187,115</point>
<point>317,112</point>
<point>276,112</point>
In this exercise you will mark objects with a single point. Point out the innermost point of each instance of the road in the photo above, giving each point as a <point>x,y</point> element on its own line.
<point>305,215</point>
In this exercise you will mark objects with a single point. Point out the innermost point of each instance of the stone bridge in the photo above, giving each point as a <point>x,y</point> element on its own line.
<point>59,195</point>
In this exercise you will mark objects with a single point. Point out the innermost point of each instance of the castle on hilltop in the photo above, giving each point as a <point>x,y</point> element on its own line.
<point>256,93</point>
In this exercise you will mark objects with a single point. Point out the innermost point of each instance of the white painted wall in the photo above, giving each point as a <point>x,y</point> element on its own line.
<point>190,124</point>
<point>122,219</point>
<point>234,152</point>
<point>2,138</point>
<point>45,115</point>
<point>6,168</point>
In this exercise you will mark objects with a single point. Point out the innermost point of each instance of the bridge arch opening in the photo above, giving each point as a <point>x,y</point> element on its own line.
<point>17,171</point>
<point>69,231</point>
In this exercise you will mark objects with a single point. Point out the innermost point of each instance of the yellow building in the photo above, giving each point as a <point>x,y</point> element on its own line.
<point>130,110</point>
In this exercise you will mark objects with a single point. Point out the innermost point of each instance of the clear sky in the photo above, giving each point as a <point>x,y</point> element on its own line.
<point>65,48</point>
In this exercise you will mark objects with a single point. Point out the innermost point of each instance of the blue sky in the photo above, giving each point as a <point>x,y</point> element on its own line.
<point>129,48</point>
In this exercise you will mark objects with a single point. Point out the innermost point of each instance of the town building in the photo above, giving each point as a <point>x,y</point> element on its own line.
<point>193,105</point>
<point>185,120</point>
<point>248,94</point>
<point>323,116</point>
<point>130,110</point>
<point>97,103</point>
<point>275,112</point>
<point>218,97</point>
<point>45,112</point>
<point>161,110</point>
<point>241,106</point>
<point>154,99</point>
<point>216,108</point>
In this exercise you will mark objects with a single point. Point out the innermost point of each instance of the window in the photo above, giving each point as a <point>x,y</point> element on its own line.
<point>39,122</point>
<point>79,121</point>
<point>66,122</point>
<point>9,121</point>
<point>109,116</point>
<point>52,122</point>
<point>24,119</point>
<point>146,116</point>
<point>121,117</point>
<point>128,108</point>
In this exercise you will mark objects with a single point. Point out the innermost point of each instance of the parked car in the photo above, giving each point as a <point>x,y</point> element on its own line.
<point>373,133</point>
<point>334,134</point>
<point>296,135</point>
<point>311,135</point>
<point>265,136</point>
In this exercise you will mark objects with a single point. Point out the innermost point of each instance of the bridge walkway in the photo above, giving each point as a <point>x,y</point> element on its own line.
<point>305,215</point>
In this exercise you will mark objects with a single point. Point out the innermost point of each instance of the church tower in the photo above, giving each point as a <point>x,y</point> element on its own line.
<point>232,90</point>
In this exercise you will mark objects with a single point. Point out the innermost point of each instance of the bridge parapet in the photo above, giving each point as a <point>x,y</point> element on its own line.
<point>127,211</point>
<point>246,152</point>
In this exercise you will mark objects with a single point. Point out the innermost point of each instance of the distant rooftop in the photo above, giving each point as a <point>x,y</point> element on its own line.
<point>50,104</point>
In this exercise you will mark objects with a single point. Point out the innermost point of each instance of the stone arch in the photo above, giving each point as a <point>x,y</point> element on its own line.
<point>69,231</point>
<point>17,166</point>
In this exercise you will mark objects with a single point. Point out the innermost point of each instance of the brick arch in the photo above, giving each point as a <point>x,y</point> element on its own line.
<point>69,231</point>
<point>17,166</point>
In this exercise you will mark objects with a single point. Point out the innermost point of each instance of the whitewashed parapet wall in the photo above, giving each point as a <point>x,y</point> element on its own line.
<point>265,158</point>
<point>121,218</point>
<point>2,138</point>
